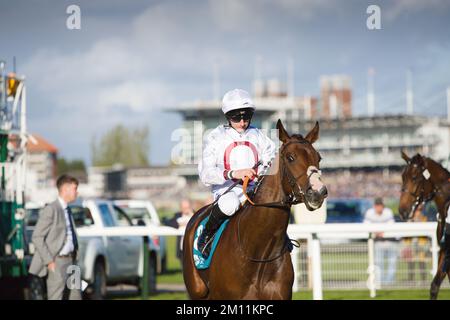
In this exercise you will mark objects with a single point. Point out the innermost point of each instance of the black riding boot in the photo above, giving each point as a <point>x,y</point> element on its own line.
<point>215,220</point>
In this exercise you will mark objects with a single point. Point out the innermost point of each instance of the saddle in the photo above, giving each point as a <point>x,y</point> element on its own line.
<point>199,261</point>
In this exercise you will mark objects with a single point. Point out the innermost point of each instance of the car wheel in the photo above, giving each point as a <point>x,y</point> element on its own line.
<point>99,285</point>
<point>37,288</point>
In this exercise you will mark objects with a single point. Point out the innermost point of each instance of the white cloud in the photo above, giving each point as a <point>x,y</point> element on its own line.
<point>138,96</point>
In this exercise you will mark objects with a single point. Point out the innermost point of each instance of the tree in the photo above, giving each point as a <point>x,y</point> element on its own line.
<point>128,147</point>
<point>75,167</point>
<point>64,166</point>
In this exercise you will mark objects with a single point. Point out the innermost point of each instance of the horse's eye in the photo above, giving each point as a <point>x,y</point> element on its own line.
<point>290,158</point>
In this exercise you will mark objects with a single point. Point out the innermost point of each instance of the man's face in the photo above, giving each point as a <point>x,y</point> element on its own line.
<point>69,192</point>
<point>379,208</point>
<point>185,207</point>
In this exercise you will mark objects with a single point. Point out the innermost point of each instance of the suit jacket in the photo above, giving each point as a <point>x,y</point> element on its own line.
<point>48,237</point>
<point>174,224</point>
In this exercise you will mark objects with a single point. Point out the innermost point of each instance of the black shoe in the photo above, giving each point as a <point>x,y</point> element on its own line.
<point>212,225</point>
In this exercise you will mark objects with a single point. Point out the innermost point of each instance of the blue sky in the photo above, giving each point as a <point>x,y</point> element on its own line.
<point>132,59</point>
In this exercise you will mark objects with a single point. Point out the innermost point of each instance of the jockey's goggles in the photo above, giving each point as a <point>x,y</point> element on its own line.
<point>239,115</point>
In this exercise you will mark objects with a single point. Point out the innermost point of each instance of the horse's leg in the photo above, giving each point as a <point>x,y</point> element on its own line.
<point>439,277</point>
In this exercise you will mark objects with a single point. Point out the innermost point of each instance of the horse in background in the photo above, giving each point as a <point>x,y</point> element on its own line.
<point>424,180</point>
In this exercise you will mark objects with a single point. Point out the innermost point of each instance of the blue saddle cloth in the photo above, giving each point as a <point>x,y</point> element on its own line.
<point>199,261</point>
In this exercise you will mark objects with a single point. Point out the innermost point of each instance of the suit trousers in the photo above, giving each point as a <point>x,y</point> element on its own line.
<point>58,286</point>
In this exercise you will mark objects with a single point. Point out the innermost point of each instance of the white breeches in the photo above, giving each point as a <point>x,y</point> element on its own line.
<point>230,202</point>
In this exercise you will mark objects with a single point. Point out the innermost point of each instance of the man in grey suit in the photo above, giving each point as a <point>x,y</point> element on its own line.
<point>56,244</point>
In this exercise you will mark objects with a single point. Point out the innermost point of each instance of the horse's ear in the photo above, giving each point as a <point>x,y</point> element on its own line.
<point>313,135</point>
<point>282,133</point>
<point>405,157</point>
<point>420,159</point>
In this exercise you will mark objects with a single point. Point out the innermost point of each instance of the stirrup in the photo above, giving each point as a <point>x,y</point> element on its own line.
<point>207,247</point>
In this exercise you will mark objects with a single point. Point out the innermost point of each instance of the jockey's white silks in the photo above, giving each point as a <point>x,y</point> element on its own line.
<point>226,149</point>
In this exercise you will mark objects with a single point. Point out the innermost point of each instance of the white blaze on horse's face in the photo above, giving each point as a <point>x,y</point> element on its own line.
<point>314,175</point>
<point>316,191</point>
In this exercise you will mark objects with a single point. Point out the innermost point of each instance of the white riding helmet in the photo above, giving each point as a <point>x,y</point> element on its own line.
<point>236,99</point>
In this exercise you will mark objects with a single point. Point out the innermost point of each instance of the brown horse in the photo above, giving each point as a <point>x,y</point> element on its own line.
<point>424,180</point>
<point>252,260</point>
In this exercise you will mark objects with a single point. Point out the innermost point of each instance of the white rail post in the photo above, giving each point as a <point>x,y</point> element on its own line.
<point>371,270</point>
<point>316,268</point>
<point>434,253</point>
<point>309,261</point>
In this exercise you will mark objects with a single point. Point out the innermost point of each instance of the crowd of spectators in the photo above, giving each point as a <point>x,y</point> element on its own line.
<point>363,184</point>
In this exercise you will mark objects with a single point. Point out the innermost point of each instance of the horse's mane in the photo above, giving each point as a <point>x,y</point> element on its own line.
<point>417,157</point>
<point>300,138</point>
<point>297,136</point>
<point>439,165</point>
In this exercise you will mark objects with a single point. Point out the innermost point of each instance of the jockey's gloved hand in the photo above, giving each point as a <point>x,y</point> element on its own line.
<point>241,173</point>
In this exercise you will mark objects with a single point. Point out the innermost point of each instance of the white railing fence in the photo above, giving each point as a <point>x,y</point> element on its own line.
<point>345,255</point>
<point>349,256</point>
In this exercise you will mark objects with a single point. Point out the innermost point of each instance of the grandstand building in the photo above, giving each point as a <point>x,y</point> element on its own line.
<point>346,142</point>
<point>376,142</point>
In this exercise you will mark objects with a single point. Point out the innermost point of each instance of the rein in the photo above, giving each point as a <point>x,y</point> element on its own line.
<point>294,197</point>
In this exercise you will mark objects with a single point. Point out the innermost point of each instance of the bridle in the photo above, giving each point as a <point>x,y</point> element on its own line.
<point>419,197</point>
<point>295,196</point>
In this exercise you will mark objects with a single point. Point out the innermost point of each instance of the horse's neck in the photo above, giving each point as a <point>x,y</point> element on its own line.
<point>440,179</point>
<point>270,189</point>
<point>264,228</point>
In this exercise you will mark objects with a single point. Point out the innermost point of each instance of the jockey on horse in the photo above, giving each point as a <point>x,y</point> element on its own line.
<point>230,153</point>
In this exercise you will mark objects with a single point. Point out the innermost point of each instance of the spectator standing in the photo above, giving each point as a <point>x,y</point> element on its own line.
<point>386,249</point>
<point>180,220</point>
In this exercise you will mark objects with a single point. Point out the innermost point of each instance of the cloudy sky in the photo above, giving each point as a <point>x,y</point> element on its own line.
<point>132,59</point>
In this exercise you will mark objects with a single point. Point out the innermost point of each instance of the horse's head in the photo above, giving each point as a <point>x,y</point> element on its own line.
<point>416,186</point>
<point>299,164</point>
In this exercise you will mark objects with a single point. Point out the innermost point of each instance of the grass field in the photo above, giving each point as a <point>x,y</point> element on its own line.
<point>338,295</point>
<point>174,276</point>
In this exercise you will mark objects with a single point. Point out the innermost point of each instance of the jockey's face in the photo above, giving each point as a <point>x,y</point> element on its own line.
<point>240,119</point>
<point>240,126</point>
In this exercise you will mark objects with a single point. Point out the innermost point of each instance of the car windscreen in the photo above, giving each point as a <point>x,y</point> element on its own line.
<point>136,213</point>
<point>345,211</point>
<point>81,216</point>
